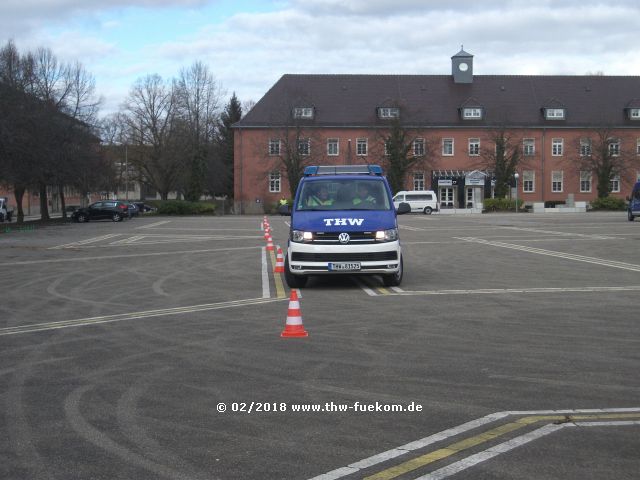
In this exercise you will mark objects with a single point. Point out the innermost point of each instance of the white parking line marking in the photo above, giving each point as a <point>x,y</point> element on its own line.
<point>80,322</point>
<point>151,225</point>
<point>364,287</point>
<point>266,292</point>
<point>452,432</point>
<point>135,255</point>
<point>551,253</point>
<point>554,232</point>
<point>504,447</point>
<point>85,242</point>
<point>497,291</point>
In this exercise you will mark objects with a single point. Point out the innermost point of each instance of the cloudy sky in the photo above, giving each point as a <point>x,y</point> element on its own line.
<point>249,44</point>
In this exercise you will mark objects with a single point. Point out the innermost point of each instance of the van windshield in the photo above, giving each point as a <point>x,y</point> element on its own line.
<point>343,194</point>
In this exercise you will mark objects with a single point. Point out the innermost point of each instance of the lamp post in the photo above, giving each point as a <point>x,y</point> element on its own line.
<point>515,175</point>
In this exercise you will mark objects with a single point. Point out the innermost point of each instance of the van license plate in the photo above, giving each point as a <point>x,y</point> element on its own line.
<point>344,266</point>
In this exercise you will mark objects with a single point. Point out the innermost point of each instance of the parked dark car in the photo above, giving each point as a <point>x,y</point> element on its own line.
<point>134,211</point>
<point>115,210</point>
<point>144,208</point>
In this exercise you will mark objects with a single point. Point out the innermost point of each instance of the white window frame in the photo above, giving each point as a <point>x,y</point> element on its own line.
<point>275,182</point>
<point>274,146</point>
<point>557,181</point>
<point>554,113</point>
<point>418,147</point>
<point>474,147</point>
<point>386,148</point>
<point>302,150</point>
<point>613,147</point>
<point>362,147</point>
<point>418,181</point>
<point>586,181</point>
<point>528,147</point>
<point>614,184</point>
<point>557,147</point>
<point>303,112</point>
<point>472,113</point>
<point>331,142</point>
<point>445,142</point>
<point>528,181</point>
<point>634,114</point>
<point>638,146</point>
<point>585,147</point>
<point>388,112</point>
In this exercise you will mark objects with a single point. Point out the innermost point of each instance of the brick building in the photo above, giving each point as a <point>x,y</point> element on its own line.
<point>452,121</point>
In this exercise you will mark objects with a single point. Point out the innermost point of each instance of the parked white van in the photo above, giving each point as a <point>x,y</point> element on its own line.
<point>425,201</point>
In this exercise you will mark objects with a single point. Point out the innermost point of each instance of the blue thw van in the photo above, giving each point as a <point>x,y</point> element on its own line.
<point>633,209</point>
<point>343,221</point>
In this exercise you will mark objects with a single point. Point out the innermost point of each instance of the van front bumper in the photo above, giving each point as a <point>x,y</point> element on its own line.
<point>312,259</point>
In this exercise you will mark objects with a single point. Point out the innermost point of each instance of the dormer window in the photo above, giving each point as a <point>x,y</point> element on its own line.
<point>472,113</point>
<point>388,112</point>
<point>303,112</point>
<point>634,114</point>
<point>554,113</point>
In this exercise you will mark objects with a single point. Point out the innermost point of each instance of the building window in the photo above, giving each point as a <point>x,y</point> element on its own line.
<point>418,181</point>
<point>614,184</point>
<point>361,146</point>
<point>472,113</point>
<point>585,148</point>
<point>634,113</point>
<point>554,113</point>
<point>333,146</point>
<point>418,147</point>
<point>614,147</point>
<point>557,146</point>
<point>447,147</point>
<point>304,146</point>
<point>274,182</point>
<point>528,147</point>
<point>556,181</point>
<point>528,181</point>
<point>585,182</point>
<point>388,112</point>
<point>474,146</point>
<point>387,148</point>
<point>638,146</point>
<point>274,146</point>
<point>303,112</point>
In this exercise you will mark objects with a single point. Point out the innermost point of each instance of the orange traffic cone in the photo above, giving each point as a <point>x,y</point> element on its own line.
<point>269,244</point>
<point>279,268</point>
<point>294,327</point>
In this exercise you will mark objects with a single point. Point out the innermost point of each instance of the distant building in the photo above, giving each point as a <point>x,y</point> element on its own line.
<point>341,119</point>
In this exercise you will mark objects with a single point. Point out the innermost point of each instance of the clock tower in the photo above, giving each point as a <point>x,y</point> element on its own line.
<point>462,67</point>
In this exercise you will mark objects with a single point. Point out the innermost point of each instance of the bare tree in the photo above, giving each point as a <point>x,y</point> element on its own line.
<point>502,156</point>
<point>604,153</point>
<point>150,116</point>
<point>399,153</point>
<point>197,107</point>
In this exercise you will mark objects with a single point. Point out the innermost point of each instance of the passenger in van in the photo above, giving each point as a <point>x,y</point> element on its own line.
<point>363,197</point>
<point>320,198</point>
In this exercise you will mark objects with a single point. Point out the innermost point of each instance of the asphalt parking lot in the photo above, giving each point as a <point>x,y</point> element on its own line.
<point>513,345</point>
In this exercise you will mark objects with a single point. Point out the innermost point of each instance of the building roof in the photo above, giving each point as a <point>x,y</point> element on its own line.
<point>435,100</point>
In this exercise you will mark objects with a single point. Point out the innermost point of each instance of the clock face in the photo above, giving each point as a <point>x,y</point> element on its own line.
<point>463,67</point>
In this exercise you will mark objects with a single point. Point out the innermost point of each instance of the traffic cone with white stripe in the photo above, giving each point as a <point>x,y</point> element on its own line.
<point>294,327</point>
<point>269,243</point>
<point>279,268</point>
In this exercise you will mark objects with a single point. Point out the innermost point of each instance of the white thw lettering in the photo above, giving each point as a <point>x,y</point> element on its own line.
<point>340,221</point>
<point>356,221</point>
<point>327,221</point>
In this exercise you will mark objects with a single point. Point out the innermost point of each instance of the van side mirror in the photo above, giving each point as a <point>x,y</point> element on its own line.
<point>284,210</point>
<point>403,208</point>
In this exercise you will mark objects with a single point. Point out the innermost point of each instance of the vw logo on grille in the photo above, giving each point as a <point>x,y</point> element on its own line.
<point>344,238</point>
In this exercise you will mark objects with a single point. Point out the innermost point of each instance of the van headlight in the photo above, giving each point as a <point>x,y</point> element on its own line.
<point>301,236</point>
<point>390,235</point>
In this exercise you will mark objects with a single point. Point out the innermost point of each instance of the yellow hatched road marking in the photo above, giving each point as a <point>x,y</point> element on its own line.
<point>489,435</point>
<point>277,277</point>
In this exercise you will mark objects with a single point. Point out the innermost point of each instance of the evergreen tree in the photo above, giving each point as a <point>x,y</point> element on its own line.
<point>232,113</point>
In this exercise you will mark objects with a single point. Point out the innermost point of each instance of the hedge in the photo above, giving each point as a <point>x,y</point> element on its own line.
<point>608,203</point>
<point>501,204</point>
<point>182,207</point>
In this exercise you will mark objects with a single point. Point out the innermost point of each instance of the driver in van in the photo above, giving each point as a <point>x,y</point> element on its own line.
<point>320,198</point>
<point>362,196</point>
